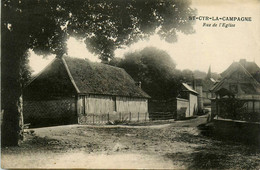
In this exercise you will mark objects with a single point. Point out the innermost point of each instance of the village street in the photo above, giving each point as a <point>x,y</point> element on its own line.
<point>174,144</point>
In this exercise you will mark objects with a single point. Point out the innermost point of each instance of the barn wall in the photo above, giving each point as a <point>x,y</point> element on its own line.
<point>193,99</point>
<point>133,105</point>
<point>97,104</point>
<point>101,108</point>
<point>137,106</point>
<point>50,112</point>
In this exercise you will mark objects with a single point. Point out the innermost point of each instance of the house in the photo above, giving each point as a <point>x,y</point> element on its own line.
<point>238,92</point>
<point>184,106</point>
<point>71,90</point>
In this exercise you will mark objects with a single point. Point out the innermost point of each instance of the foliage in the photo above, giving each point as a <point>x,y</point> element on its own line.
<point>106,24</point>
<point>202,75</point>
<point>155,69</point>
<point>187,75</point>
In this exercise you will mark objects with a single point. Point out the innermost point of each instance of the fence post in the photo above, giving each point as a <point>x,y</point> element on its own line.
<point>138,117</point>
<point>120,116</point>
<point>99,117</point>
<point>93,119</point>
<point>145,117</point>
<point>107,117</point>
<point>130,116</point>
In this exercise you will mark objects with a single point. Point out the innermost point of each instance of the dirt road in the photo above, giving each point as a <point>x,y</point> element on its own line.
<point>170,145</point>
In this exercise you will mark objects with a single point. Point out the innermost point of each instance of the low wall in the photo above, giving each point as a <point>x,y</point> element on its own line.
<point>240,131</point>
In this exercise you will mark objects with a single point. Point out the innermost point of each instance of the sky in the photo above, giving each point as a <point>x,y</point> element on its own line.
<point>211,46</point>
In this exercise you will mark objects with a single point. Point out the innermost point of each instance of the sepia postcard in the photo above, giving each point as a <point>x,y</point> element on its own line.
<point>130,84</point>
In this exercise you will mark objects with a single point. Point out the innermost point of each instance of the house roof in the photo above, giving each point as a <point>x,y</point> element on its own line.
<point>251,67</point>
<point>207,84</point>
<point>250,87</point>
<point>188,88</point>
<point>97,78</point>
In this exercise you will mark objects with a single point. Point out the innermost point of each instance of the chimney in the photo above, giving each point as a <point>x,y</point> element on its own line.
<point>139,84</point>
<point>242,62</point>
<point>209,73</point>
<point>194,84</point>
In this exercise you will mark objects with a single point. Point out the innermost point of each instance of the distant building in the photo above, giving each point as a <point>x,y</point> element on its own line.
<point>192,96</point>
<point>197,86</point>
<point>71,90</point>
<point>202,86</point>
<point>238,92</point>
<point>207,84</point>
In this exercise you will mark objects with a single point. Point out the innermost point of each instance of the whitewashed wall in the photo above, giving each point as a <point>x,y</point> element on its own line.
<point>193,105</point>
<point>182,108</point>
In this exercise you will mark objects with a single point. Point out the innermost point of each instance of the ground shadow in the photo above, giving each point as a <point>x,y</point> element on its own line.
<point>216,152</point>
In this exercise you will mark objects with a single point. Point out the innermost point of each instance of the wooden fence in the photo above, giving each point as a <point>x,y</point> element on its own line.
<point>161,115</point>
<point>116,117</point>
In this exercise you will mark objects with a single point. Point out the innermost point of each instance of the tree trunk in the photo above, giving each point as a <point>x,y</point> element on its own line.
<point>11,89</point>
<point>12,124</point>
<point>11,102</point>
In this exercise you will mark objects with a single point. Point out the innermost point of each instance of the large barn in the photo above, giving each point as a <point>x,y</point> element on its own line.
<point>71,90</point>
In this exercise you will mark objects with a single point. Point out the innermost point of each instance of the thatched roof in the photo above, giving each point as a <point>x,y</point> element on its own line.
<point>67,76</point>
<point>98,78</point>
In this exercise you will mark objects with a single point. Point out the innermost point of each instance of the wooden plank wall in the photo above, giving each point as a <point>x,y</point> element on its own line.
<point>100,108</point>
<point>133,105</point>
<point>99,104</point>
